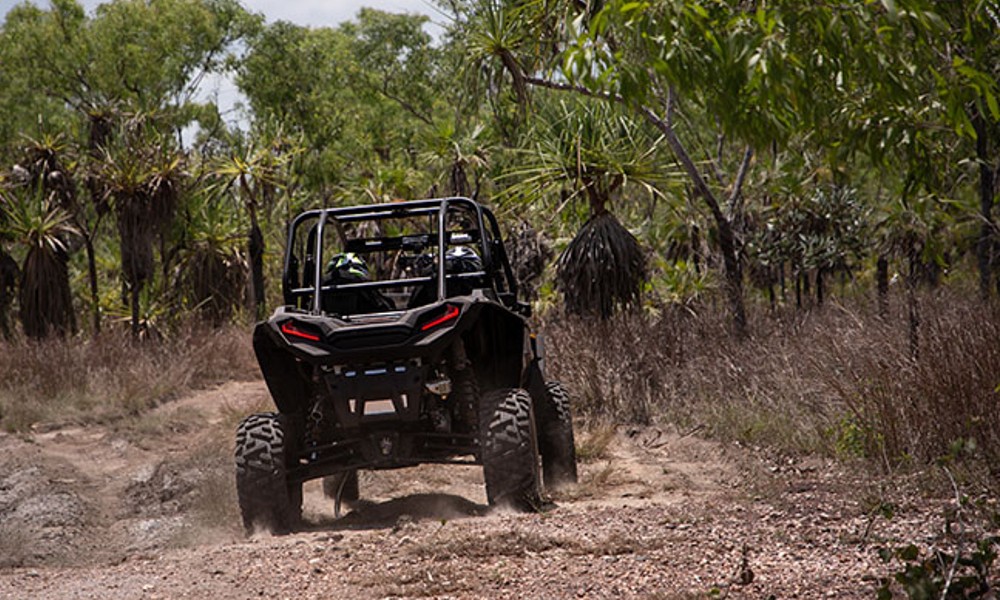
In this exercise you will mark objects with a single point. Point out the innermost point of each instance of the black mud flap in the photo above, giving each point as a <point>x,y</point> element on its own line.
<point>281,373</point>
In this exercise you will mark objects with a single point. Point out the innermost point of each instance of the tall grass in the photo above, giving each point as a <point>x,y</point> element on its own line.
<point>91,380</point>
<point>838,380</point>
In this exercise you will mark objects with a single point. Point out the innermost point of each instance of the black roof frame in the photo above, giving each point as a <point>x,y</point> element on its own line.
<point>496,263</point>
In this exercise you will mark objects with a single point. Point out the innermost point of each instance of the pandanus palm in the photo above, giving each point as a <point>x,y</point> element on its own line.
<point>257,175</point>
<point>212,271</point>
<point>53,165</point>
<point>457,155</point>
<point>9,271</point>
<point>36,222</point>
<point>142,177</point>
<point>592,151</point>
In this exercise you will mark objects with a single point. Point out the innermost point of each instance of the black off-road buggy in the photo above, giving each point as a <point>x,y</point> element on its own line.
<point>401,342</point>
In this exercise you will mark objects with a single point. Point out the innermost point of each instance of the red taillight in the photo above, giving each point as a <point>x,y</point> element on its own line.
<point>450,313</point>
<point>289,328</point>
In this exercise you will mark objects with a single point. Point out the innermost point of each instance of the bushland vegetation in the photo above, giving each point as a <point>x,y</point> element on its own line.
<point>771,222</point>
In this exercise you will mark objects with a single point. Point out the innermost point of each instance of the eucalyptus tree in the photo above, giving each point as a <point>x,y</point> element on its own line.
<point>131,56</point>
<point>640,55</point>
<point>296,78</point>
<point>962,47</point>
<point>380,106</point>
<point>859,75</point>
<point>394,58</point>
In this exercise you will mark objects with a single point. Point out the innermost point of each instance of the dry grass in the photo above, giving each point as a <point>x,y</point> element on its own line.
<point>85,381</point>
<point>594,443</point>
<point>838,380</point>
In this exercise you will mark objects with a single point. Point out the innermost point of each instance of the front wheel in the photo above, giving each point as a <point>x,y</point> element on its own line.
<point>509,449</point>
<point>266,497</point>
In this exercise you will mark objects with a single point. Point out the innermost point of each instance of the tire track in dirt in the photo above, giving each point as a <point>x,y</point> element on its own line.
<point>149,512</point>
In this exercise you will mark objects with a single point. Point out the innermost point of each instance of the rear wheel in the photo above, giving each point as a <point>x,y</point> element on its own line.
<point>266,498</point>
<point>509,449</point>
<point>349,480</point>
<point>555,439</point>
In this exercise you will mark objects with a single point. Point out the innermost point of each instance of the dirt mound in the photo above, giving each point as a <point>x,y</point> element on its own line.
<point>40,518</point>
<point>163,489</point>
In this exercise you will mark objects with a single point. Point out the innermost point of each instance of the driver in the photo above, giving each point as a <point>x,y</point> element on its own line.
<point>345,268</point>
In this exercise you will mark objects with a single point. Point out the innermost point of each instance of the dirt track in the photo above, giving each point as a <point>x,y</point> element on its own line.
<point>145,509</point>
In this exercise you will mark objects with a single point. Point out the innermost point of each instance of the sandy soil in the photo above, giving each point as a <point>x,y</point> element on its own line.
<point>145,509</point>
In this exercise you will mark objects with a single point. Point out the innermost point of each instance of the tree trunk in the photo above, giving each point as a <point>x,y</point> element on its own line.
<point>913,305</point>
<point>256,251</point>
<point>798,290</point>
<point>134,290</point>
<point>882,279</point>
<point>696,248</point>
<point>987,176</point>
<point>10,273</point>
<point>95,298</point>
<point>819,287</point>
<point>783,283</point>
<point>727,237</point>
<point>733,275</point>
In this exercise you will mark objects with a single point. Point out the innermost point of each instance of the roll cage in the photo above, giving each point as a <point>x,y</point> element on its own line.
<point>395,235</point>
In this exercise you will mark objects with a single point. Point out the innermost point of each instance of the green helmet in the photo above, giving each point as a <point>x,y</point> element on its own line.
<point>347,268</point>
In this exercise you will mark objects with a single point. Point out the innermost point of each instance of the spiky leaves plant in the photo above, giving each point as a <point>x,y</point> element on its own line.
<point>212,270</point>
<point>492,43</point>
<point>142,177</point>
<point>9,271</point>
<point>505,43</point>
<point>603,267</point>
<point>55,165</point>
<point>592,150</point>
<point>456,155</point>
<point>257,174</point>
<point>9,274</point>
<point>36,222</point>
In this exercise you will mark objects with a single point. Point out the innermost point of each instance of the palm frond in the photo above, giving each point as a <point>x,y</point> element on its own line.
<point>602,268</point>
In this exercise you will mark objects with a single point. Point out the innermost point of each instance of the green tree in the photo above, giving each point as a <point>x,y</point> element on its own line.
<point>132,56</point>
